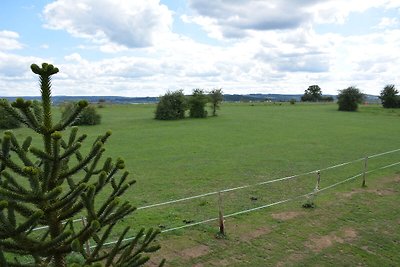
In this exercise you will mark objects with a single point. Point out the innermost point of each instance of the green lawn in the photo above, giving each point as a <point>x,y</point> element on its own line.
<point>251,143</point>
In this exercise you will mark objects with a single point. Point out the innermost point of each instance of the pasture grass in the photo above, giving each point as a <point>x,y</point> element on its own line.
<point>251,143</point>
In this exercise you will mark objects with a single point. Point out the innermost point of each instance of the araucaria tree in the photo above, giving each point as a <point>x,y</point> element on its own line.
<point>48,186</point>
<point>348,99</point>
<point>197,103</point>
<point>389,97</point>
<point>216,98</point>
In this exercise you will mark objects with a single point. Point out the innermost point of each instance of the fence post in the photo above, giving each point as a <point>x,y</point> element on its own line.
<point>318,180</point>
<point>221,215</point>
<point>365,171</point>
<point>87,246</point>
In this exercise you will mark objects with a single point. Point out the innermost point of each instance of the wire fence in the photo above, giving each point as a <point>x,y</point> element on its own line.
<point>299,188</point>
<point>263,206</point>
<point>226,190</point>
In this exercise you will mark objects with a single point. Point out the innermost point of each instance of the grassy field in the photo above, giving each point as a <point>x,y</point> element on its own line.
<point>251,143</point>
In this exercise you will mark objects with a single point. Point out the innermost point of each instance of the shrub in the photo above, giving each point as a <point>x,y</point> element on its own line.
<point>389,97</point>
<point>171,106</point>
<point>6,120</point>
<point>292,101</point>
<point>89,115</point>
<point>348,99</point>
<point>197,103</point>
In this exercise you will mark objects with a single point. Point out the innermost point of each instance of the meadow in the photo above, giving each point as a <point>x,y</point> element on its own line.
<point>249,143</point>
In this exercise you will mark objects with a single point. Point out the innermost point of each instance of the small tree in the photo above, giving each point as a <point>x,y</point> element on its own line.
<point>216,98</point>
<point>312,94</point>
<point>7,121</point>
<point>197,104</point>
<point>348,99</point>
<point>171,106</point>
<point>46,187</point>
<point>389,97</point>
<point>89,115</point>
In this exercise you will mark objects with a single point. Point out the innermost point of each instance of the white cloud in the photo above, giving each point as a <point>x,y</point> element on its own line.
<point>111,23</point>
<point>388,23</point>
<point>16,78</point>
<point>14,66</point>
<point>9,40</point>
<point>227,19</point>
<point>259,48</point>
<point>236,20</point>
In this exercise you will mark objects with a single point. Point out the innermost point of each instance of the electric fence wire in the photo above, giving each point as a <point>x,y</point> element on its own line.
<point>263,206</point>
<point>244,186</point>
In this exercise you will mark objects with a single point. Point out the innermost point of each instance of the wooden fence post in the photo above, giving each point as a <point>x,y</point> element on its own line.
<point>221,215</point>
<point>365,171</point>
<point>318,180</point>
<point>87,246</point>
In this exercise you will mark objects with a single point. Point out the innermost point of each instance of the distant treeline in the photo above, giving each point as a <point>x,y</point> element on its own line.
<point>144,100</point>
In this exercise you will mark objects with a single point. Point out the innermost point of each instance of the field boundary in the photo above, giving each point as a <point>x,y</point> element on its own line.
<point>316,191</point>
<point>246,186</point>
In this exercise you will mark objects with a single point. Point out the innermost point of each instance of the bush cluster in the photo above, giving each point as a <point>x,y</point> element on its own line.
<point>89,115</point>
<point>173,105</point>
<point>348,99</point>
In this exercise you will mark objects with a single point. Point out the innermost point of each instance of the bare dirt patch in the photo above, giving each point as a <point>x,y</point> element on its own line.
<point>284,216</point>
<point>223,262</point>
<point>246,237</point>
<point>320,243</point>
<point>379,192</point>
<point>290,260</point>
<point>349,234</point>
<point>389,179</point>
<point>195,252</point>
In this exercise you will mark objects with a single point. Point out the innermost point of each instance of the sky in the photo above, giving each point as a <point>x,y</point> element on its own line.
<point>148,47</point>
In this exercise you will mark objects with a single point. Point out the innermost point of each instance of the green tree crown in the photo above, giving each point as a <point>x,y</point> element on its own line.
<point>348,99</point>
<point>389,97</point>
<point>312,94</point>
<point>171,106</point>
<point>216,97</point>
<point>197,103</point>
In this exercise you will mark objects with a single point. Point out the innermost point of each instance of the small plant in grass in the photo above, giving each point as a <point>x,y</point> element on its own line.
<point>221,236</point>
<point>88,116</point>
<point>310,204</point>
<point>48,186</point>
